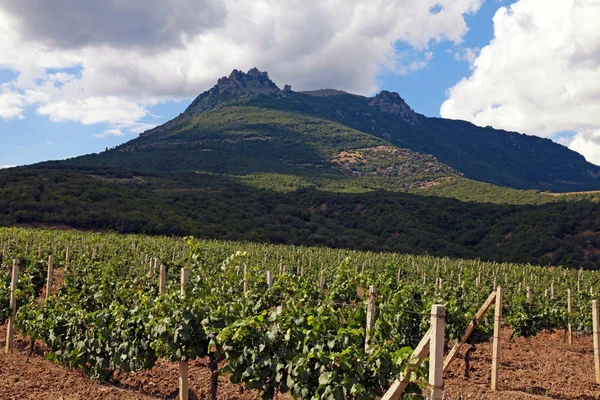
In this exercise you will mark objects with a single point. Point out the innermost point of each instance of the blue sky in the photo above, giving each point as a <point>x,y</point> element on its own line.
<point>425,90</point>
<point>81,91</point>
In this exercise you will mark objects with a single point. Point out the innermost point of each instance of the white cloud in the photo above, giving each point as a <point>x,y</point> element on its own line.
<point>540,74</point>
<point>94,110</point>
<point>12,104</point>
<point>469,55</point>
<point>587,142</point>
<point>7,166</point>
<point>110,132</point>
<point>124,65</point>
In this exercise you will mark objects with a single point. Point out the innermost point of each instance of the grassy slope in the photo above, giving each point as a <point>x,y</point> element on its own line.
<point>298,134</point>
<point>484,154</point>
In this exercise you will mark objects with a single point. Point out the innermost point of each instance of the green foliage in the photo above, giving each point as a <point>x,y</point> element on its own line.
<point>559,233</point>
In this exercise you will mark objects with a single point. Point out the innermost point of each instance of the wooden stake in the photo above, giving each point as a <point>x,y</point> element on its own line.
<point>68,254</point>
<point>245,278</point>
<point>436,352</point>
<point>184,390</point>
<point>49,276</point>
<point>183,365</point>
<point>185,278</point>
<point>496,342</point>
<point>322,280</point>
<point>570,327</point>
<point>162,280</point>
<point>269,280</point>
<point>552,290</point>
<point>529,294</point>
<point>596,330</point>
<point>4,252</point>
<point>371,310</point>
<point>10,332</point>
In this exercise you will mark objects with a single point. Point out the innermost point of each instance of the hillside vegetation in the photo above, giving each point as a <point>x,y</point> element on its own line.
<point>208,205</point>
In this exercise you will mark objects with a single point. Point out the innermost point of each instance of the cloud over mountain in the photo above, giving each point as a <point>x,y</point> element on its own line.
<point>540,75</point>
<point>70,56</point>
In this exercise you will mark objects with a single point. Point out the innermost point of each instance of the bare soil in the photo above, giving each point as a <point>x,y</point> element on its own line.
<point>544,367</point>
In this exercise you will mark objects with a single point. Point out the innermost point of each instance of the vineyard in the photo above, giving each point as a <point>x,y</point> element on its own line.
<point>309,322</point>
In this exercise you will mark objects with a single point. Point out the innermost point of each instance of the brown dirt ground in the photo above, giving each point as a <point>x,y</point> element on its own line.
<point>545,367</point>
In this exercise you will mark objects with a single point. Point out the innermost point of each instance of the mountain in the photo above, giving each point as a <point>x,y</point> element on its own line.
<point>246,125</point>
<point>250,161</point>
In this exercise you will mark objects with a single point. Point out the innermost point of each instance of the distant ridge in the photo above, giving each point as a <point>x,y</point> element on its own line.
<point>484,154</point>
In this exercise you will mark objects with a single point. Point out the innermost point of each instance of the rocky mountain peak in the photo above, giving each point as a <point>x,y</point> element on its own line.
<point>392,103</point>
<point>238,81</point>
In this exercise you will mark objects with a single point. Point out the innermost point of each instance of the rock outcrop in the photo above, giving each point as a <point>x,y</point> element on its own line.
<point>238,81</point>
<point>392,103</point>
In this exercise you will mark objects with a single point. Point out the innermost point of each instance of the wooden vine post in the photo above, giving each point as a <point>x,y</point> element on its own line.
<point>496,342</point>
<point>596,333</point>
<point>269,280</point>
<point>68,254</point>
<point>529,294</point>
<point>183,365</point>
<point>371,311</point>
<point>569,309</point>
<point>322,280</point>
<point>245,279</point>
<point>49,276</point>
<point>3,251</point>
<point>162,280</point>
<point>436,352</point>
<point>10,332</point>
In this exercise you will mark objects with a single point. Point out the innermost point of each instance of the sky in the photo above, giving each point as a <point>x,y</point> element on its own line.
<point>78,77</point>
